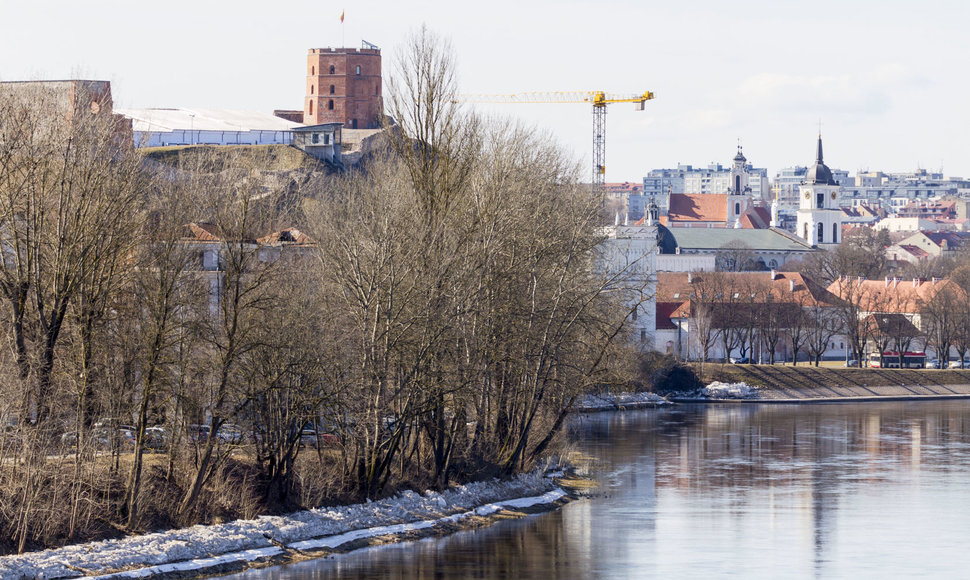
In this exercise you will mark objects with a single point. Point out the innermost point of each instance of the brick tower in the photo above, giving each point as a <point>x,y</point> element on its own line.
<point>343,85</point>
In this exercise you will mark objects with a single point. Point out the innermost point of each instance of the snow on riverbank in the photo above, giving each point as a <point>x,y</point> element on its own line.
<point>202,547</point>
<point>719,390</point>
<point>609,401</point>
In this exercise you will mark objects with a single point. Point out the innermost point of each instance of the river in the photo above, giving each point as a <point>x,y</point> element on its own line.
<point>745,491</point>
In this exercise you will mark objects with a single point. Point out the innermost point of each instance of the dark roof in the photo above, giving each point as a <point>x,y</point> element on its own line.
<point>665,240</point>
<point>740,156</point>
<point>819,174</point>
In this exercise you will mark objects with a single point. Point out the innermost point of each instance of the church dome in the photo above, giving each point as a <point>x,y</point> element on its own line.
<point>819,174</point>
<point>739,158</point>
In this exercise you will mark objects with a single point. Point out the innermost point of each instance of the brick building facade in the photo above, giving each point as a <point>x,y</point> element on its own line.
<point>344,86</point>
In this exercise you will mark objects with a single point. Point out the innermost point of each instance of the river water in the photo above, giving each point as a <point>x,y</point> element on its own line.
<point>742,491</point>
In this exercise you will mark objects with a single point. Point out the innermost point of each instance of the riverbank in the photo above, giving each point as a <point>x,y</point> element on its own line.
<point>272,540</point>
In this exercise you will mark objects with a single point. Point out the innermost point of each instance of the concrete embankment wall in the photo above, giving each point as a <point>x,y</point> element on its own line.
<point>784,384</point>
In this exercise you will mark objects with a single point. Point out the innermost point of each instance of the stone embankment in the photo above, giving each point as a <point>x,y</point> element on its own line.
<point>786,384</point>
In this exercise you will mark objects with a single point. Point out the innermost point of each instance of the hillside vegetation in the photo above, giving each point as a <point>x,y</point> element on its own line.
<point>258,157</point>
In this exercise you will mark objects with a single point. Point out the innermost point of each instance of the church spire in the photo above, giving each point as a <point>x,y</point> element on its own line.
<point>818,156</point>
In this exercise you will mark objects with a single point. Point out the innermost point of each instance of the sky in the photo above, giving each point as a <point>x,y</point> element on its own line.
<point>886,81</point>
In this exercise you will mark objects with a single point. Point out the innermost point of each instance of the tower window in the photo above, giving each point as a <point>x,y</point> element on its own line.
<point>311,89</point>
<point>330,105</point>
<point>332,89</point>
<point>737,209</point>
<point>313,70</point>
<point>353,123</point>
<point>311,107</point>
<point>835,233</point>
<point>820,200</point>
<point>358,69</point>
<point>333,69</point>
<point>821,232</point>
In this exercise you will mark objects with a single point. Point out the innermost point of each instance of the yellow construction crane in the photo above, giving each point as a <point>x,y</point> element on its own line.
<point>598,99</point>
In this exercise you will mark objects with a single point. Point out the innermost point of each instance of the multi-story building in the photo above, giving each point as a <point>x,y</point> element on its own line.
<point>343,85</point>
<point>715,178</point>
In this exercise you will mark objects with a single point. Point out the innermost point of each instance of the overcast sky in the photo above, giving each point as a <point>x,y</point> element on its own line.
<point>887,79</point>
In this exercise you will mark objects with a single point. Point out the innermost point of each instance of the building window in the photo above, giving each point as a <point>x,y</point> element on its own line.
<point>333,69</point>
<point>311,89</point>
<point>326,139</point>
<point>358,69</point>
<point>835,233</point>
<point>313,70</point>
<point>643,336</point>
<point>311,107</point>
<point>330,105</point>
<point>737,209</point>
<point>805,232</point>
<point>353,123</point>
<point>315,138</point>
<point>820,200</point>
<point>635,313</point>
<point>821,232</point>
<point>332,89</point>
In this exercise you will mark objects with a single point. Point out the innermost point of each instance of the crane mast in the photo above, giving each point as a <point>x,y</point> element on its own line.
<point>599,101</point>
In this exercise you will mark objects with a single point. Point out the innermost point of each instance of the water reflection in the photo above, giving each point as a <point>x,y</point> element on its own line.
<point>826,491</point>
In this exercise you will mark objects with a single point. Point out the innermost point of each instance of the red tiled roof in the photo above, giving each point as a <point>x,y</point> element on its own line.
<point>673,286</point>
<point>891,294</point>
<point>916,251</point>
<point>204,232</point>
<point>286,236</point>
<point>691,207</point>
<point>756,218</point>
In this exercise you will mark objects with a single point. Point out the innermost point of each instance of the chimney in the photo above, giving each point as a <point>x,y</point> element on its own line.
<point>690,277</point>
<point>916,282</point>
<point>888,279</point>
<point>935,280</point>
<point>791,285</point>
<point>774,274</point>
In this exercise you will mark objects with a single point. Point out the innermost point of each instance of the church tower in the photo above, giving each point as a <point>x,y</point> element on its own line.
<point>819,214</point>
<point>739,190</point>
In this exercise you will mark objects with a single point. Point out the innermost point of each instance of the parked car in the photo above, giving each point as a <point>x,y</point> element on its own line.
<point>198,433</point>
<point>934,363</point>
<point>156,437</point>
<point>851,363</point>
<point>741,361</point>
<point>960,364</point>
<point>230,433</point>
<point>312,437</point>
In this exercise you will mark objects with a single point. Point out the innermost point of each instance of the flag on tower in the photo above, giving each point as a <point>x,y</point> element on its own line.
<point>341,16</point>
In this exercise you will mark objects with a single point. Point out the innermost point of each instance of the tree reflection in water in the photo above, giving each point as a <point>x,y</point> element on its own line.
<point>751,491</point>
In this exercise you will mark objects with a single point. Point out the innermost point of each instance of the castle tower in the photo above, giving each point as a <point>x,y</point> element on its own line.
<point>819,214</point>
<point>343,85</point>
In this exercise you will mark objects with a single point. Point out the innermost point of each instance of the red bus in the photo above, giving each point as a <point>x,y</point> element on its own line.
<point>890,360</point>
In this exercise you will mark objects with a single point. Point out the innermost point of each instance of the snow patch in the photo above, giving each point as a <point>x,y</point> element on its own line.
<point>201,547</point>
<point>719,390</point>
<point>615,401</point>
